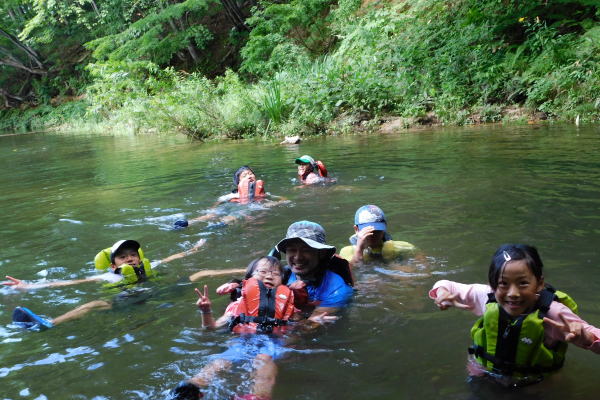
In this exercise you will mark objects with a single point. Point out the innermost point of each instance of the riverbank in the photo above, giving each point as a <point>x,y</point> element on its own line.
<point>392,65</point>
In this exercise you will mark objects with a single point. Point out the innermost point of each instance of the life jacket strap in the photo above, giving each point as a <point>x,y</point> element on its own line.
<point>507,368</point>
<point>264,324</point>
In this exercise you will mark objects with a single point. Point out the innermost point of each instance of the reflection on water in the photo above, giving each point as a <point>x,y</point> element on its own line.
<point>456,194</point>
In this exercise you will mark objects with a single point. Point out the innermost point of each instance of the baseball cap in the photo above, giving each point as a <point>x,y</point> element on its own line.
<point>309,232</point>
<point>305,159</point>
<point>122,244</point>
<point>370,215</point>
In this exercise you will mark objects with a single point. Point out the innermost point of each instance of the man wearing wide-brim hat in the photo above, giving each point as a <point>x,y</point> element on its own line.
<point>313,262</point>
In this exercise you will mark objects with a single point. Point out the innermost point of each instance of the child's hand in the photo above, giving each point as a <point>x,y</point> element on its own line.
<point>297,285</point>
<point>363,236</point>
<point>227,288</point>
<point>445,300</point>
<point>203,302</point>
<point>323,318</point>
<point>574,331</point>
<point>15,283</point>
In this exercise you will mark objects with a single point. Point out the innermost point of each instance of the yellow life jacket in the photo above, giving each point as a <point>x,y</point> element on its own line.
<point>130,274</point>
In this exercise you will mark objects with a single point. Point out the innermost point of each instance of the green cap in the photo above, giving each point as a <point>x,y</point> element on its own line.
<point>305,160</point>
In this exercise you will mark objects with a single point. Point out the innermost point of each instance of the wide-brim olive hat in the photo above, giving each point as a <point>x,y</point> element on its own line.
<point>310,233</point>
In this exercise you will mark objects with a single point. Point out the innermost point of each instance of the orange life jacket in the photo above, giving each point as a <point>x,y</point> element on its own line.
<point>262,309</point>
<point>318,168</point>
<point>250,191</point>
<point>321,170</point>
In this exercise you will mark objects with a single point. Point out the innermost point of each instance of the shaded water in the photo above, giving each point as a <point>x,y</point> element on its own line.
<point>455,193</point>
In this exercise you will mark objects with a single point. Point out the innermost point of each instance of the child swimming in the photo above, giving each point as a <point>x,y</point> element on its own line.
<point>125,264</point>
<point>247,189</point>
<point>311,171</point>
<point>266,306</point>
<point>525,325</point>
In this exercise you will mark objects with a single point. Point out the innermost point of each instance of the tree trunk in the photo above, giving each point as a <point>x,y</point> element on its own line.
<point>32,55</point>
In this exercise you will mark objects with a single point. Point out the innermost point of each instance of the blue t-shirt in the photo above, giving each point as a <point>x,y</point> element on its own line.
<point>331,292</point>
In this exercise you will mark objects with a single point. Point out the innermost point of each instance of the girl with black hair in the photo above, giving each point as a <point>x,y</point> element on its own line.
<point>525,325</point>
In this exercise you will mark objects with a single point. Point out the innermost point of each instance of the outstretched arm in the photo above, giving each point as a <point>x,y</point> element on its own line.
<point>216,272</point>
<point>186,253</point>
<point>19,284</point>
<point>564,325</point>
<point>448,294</point>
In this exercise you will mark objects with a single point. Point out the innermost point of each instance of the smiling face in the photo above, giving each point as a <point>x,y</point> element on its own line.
<point>302,259</point>
<point>517,288</point>
<point>268,273</point>
<point>303,169</point>
<point>126,256</point>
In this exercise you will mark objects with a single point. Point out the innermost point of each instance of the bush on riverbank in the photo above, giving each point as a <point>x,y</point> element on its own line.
<point>459,62</point>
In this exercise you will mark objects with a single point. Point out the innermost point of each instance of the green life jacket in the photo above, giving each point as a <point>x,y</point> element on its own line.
<point>130,274</point>
<point>515,346</point>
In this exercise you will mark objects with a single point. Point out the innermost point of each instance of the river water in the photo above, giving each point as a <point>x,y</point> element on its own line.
<point>455,193</point>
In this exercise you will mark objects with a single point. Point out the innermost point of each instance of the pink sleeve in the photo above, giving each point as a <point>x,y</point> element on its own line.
<point>553,334</point>
<point>474,295</point>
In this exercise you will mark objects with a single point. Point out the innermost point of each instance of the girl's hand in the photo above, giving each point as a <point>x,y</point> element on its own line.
<point>445,300</point>
<point>203,302</point>
<point>227,288</point>
<point>574,331</point>
<point>15,283</point>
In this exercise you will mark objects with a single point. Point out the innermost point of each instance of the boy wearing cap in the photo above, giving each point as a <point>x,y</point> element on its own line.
<point>127,265</point>
<point>313,263</point>
<point>372,242</point>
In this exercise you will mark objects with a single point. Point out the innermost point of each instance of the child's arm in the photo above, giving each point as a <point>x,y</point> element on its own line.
<point>562,324</point>
<point>204,305</point>
<point>448,294</point>
<point>216,272</point>
<point>186,253</point>
<point>19,284</point>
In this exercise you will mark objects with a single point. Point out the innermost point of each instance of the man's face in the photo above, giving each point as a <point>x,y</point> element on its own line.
<point>302,259</point>
<point>126,256</point>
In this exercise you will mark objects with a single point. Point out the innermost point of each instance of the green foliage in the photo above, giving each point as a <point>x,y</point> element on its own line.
<point>300,27</point>
<point>156,37</point>
<point>313,62</point>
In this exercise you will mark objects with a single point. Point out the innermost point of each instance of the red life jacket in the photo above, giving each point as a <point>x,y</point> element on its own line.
<point>321,170</point>
<point>250,191</point>
<point>262,309</point>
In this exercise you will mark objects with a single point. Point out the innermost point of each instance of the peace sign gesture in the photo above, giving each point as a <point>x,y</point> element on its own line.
<point>574,331</point>
<point>203,302</point>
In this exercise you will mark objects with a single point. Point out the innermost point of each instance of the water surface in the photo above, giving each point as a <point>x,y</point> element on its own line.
<point>455,193</point>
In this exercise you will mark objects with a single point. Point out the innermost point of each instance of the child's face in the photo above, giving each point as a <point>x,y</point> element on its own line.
<point>303,168</point>
<point>268,274</point>
<point>127,256</point>
<point>247,174</point>
<point>518,288</point>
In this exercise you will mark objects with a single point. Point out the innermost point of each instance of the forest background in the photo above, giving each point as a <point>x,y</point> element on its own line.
<point>246,68</point>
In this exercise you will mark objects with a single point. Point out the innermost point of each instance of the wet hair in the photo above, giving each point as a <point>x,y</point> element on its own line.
<point>236,176</point>
<point>514,252</point>
<point>270,259</point>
